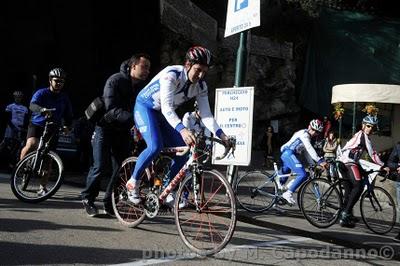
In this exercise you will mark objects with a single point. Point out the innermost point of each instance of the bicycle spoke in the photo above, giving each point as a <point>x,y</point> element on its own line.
<point>207,230</point>
<point>126,212</point>
<point>320,203</point>
<point>378,210</point>
<point>256,191</point>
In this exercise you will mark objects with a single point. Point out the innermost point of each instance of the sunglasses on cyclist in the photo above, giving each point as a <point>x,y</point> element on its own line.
<point>369,126</point>
<point>59,81</point>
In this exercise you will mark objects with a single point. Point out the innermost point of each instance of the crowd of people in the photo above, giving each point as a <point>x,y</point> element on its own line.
<point>132,108</point>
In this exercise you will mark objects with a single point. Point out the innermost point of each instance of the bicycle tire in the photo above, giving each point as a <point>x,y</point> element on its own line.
<point>256,191</point>
<point>27,191</point>
<point>378,205</point>
<point>126,212</point>
<point>320,202</point>
<point>217,211</point>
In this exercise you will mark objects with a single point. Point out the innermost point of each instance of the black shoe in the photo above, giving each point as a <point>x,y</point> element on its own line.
<point>90,208</point>
<point>354,219</point>
<point>109,210</point>
<point>397,238</point>
<point>345,220</point>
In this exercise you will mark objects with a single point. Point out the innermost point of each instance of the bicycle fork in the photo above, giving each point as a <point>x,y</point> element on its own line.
<point>317,193</point>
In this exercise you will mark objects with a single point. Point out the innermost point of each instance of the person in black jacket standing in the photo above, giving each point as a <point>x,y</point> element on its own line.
<point>394,164</point>
<point>111,135</point>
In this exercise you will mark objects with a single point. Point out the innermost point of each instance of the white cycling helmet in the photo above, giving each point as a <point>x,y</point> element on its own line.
<point>369,119</point>
<point>316,125</point>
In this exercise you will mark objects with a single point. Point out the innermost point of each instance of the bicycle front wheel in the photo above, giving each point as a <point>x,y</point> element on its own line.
<point>205,226</point>
<point>320,202</point>
<point>256,191</point>
<point>126,212</point>
<point>33,187</point>
<point>378,210</point>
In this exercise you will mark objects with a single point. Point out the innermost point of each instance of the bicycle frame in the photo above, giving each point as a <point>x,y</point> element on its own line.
<point>43,148</point>
<point>339,184</point>
<point>182,173</point>
<point>194,165</point>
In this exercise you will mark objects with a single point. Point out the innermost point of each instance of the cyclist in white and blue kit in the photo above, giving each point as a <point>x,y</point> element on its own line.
<point>300,145</point>
<point>155,115</point>
<point>17,119</point>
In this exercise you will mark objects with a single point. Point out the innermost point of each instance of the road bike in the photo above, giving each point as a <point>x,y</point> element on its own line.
<point>207,220</point>
<point>39,174</point>
<point>259,191</point>
<point>323,201</point>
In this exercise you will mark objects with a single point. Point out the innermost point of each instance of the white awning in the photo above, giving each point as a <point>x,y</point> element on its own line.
<point>382,93</point>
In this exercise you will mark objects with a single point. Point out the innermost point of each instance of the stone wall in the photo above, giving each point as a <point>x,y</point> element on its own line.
<point>271,68</point>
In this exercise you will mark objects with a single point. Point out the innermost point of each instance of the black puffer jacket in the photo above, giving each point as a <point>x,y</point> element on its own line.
<point>393,162</point>
<point>119,97</point>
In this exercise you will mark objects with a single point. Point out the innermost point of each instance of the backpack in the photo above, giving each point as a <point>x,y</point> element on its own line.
<point>96,110</point>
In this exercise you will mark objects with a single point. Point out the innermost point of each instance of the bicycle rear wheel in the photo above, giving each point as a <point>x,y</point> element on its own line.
<point>126,212</point>
<point>320,202</point>
<point>256,191</point>
<point>207,229</point>
<point>25,184</point>
<point>378,210</point>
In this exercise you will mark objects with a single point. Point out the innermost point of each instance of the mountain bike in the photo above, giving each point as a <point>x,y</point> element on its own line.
<point>39,174</point>
<point>207,221</point>
<point>258,191</point>
<point>322,203</point>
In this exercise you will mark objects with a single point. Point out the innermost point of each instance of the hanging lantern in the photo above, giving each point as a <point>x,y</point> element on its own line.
<point>338,111</point>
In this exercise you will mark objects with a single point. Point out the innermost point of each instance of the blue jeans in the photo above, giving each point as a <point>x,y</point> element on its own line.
<point>397,184</point>
<point>110,148</point>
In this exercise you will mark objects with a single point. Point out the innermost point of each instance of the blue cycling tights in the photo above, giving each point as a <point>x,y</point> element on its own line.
<point>157,133</point>
<point>292,164</point>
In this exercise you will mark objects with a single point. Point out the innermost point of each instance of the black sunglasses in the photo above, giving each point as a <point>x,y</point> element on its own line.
<point>369,126</point>
<point>58,80</point>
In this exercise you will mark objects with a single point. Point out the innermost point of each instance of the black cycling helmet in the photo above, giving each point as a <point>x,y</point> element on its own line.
<point>199,55</point>
<point>57,73</point>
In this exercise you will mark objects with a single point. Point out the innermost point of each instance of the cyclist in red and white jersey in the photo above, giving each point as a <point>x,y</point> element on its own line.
<point>351,154</point>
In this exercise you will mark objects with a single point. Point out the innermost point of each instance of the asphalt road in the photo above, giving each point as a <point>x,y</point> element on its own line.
<point>58,232</point>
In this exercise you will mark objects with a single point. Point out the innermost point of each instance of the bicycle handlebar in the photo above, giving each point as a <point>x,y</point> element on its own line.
<point>230,146</point>
<point>380,171</point>
<point>47,110</point>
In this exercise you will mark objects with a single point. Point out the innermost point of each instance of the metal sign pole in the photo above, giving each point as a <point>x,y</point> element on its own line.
<point>240,74</point>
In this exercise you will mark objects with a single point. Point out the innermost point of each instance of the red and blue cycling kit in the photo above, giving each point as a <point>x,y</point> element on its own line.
<point>156,119</point>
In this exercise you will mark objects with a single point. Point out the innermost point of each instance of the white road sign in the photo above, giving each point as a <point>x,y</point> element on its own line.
<point>242,15</point>
<point>234,114</point>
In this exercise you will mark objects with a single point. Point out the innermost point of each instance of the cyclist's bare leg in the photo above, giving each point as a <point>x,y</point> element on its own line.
<point>31,144</point>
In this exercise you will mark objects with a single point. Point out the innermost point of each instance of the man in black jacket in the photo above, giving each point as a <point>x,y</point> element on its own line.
<point>111,136</point>
<point>394,164</point>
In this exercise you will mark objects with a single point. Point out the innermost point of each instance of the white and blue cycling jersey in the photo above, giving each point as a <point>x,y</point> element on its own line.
<point>169,89</point>
<point>298,145</point>
<point>18,113</point>
<point>157,121</point>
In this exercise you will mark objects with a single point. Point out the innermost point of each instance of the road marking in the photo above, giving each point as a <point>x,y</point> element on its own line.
<point>226,250</point>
